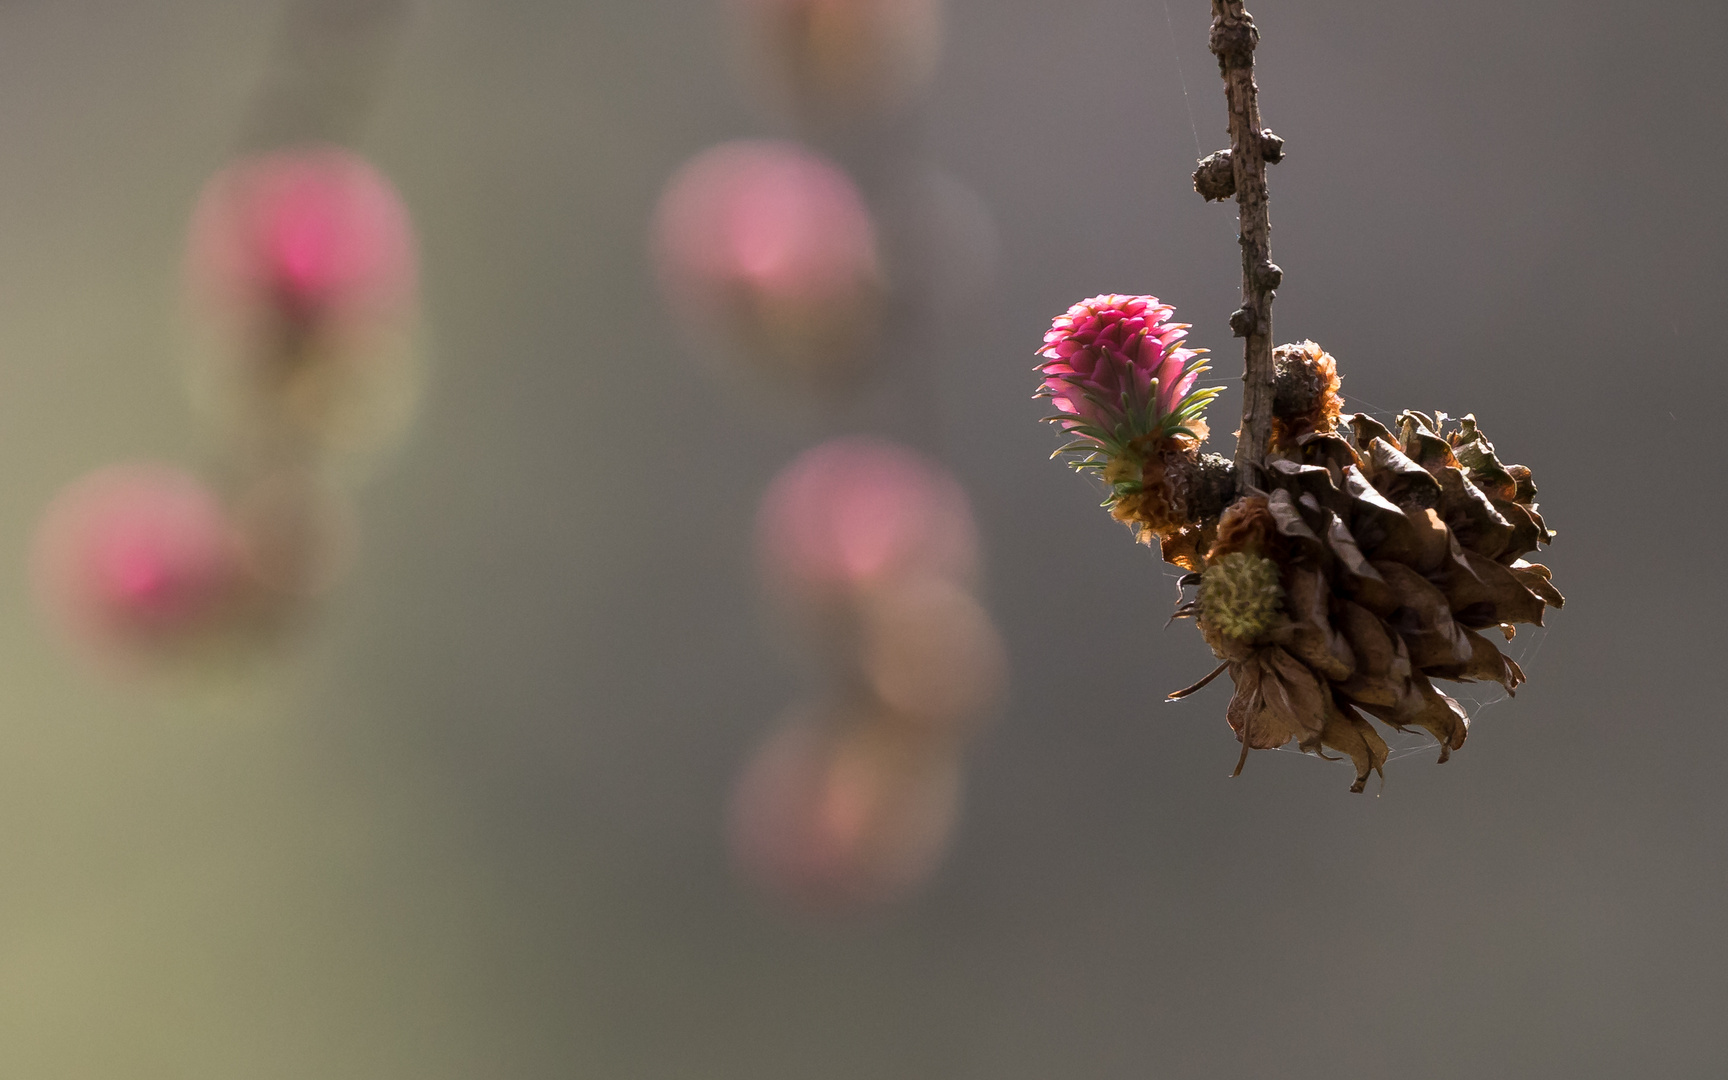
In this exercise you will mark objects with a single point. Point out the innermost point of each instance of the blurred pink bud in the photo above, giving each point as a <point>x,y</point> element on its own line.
<point>844,56</point>
<point>136,556</point>
<point>835,816</point>
<point>931,653</point>
<point>772,246</point>
<point>305,236</point>
<point>855,513</point>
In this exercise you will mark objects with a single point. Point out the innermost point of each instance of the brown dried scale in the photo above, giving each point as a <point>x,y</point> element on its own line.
<point>1399,558</point>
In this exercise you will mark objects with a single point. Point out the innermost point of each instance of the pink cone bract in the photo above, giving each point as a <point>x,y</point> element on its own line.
<point>1116,369</point>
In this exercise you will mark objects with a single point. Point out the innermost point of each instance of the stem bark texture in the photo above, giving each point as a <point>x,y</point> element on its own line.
<point>1233,40</point>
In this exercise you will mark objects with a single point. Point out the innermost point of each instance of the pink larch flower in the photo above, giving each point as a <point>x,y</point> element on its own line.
<point>856,513</point>
<point>136,556</point>
<point>1115,368</point>
<point>774,247</point>
<point>305,236</point>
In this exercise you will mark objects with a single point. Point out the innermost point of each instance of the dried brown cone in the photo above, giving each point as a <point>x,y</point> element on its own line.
<point>1305,393</point>
<point>1396,555</point>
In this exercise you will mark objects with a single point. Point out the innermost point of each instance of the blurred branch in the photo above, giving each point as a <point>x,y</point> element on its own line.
<point>1241,171</point>
<point>323,75</point>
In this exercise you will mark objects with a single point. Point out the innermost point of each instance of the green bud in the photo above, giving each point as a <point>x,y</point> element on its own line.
<point>1240,596</point>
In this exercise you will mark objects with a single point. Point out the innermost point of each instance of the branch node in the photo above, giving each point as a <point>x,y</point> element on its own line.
<point>1215,179</point>
<point>1233,41</point>
<point>1271,147</point>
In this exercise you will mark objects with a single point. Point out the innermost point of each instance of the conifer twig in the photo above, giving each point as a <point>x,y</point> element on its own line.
<point>1241,171</point>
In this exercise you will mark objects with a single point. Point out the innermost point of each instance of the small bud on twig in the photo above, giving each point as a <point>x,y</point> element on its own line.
<point>1215,179</point>
<point>1271,147</point>
<point>1234,39</point>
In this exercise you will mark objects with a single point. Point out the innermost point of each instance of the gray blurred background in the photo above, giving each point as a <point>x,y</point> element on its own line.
<point>471,827</point>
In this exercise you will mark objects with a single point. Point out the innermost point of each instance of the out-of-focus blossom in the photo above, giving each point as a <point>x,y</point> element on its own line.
<point>306,237</point>
<point>773,249</point>
<point>844,811</point>
<point>137,558</point>
<point>301,267</point>
<point>842,58</point>
<point>854,805</point>
<point>930,652</point>
<point>856,513</point>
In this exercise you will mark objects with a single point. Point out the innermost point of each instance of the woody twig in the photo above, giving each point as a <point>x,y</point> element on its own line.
<point>1241,171</point>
